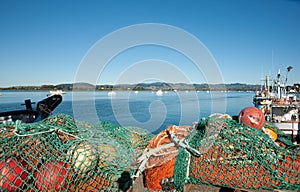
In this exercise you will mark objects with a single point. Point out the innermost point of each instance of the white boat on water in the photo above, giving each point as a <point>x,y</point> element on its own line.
<point>279,107</point>
<point>56,92</point>
<point>159,93</point>
<point>111,94</point>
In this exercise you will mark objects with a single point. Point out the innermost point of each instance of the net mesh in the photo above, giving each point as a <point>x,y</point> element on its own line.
<point>162,152</point>
<point>59,154</point>
<point>221,152</point>
<point>239,157</point>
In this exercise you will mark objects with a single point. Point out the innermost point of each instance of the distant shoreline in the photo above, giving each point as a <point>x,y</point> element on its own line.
<point>144,87</point>
<point>138,87</point>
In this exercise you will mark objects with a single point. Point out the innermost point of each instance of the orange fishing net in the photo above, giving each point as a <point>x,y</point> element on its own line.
<point>240,157</point>
<point>222,152</point>
<point>161,163</point>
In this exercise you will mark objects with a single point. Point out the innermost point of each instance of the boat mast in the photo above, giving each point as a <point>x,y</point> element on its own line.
<point>267,85</point>
<point>281,88</point>
<point>278,85</point>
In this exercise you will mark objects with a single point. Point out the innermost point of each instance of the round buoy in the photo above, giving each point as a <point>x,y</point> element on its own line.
<point>13,172</point>
<point>51,176</point>
<point>83,157</point>
<point>252,117</point>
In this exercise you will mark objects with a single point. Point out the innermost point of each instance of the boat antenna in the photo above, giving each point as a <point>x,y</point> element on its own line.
<point>272,70</point>
<point>272,61</point>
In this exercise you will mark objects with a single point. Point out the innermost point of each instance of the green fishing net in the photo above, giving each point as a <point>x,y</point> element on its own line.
<point>59,154</point>
<point>239,157</point>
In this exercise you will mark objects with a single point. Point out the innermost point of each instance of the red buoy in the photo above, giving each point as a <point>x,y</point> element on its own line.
<point>51,176</point>
<point>252,117</point>
<point>13,172</point>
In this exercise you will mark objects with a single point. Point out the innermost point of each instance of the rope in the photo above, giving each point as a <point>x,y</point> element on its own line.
<point>183,143</point>
<point>47,129</point>
<point>143,160</point>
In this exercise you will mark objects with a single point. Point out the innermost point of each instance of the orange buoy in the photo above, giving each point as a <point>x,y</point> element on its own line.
<point>252,117</point>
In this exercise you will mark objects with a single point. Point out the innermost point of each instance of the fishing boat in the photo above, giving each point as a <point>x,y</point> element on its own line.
<point>43,110</point>
<point>279,106</point>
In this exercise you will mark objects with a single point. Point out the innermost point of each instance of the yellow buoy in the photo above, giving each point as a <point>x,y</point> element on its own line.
<point>272,134</point>
<point>83,157</point>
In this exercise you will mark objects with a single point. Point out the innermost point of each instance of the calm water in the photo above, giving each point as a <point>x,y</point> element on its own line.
<point>142,109</point>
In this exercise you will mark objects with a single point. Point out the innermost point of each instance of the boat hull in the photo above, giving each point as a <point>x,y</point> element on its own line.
<point>25,116</point>
<point>43,110</point>
<point>290,128</point>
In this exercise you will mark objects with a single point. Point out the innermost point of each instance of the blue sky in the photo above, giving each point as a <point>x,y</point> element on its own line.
<point>45,41</point>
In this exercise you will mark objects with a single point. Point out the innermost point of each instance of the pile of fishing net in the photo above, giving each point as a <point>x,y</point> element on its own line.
<point>59,154</point>
<point>219,151</point>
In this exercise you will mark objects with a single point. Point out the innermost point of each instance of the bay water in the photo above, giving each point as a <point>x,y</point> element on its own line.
<point>144,109</point>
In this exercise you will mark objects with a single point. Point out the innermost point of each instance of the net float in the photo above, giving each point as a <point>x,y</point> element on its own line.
<point>13,172</point>
<point>51,176</point>
<point>272,134</point>
<point>83,157</point>
<point>252,117</point>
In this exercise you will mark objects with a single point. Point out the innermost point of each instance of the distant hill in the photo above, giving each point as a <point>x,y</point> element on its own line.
<point>200,87</point>
<point>143,86</point>
<point>150,87</point>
